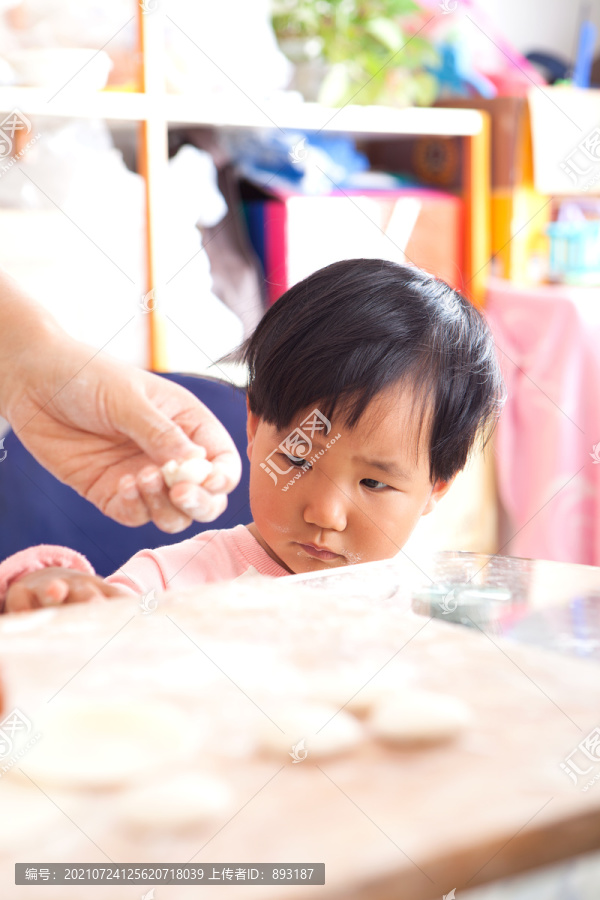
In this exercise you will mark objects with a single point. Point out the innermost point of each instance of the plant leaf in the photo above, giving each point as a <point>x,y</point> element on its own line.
<point>334,86</point>
<point>387,32</point>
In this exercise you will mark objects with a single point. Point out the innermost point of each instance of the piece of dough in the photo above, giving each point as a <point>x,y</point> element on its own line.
<point>102,744</point>
<point>418,717</point>
<point>183,802</point>
<point>315,730</point>
<point>195,470</point>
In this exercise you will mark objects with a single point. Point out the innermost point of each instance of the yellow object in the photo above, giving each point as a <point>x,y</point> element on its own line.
<point>519,218</point>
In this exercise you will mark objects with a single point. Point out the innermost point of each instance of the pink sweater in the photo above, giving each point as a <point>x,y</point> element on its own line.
<point>210,556</point>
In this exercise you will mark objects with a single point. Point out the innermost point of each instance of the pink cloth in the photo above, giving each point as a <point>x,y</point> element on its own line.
<point>44,556</point>
<point>211,556</point>
<point>207,557</point>
<point>548,340</point>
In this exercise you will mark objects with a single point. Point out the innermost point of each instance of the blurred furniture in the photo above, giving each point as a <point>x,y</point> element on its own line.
<point>36,508</point>
<point>548,438</point>
<point>156,110</point>
<point>519,210</point>
<point>296,234</point>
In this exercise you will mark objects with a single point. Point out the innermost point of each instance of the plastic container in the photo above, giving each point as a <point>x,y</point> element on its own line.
<point>575,252</point>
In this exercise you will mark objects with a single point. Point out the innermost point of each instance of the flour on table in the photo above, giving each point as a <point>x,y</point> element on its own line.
<point>176,804</point>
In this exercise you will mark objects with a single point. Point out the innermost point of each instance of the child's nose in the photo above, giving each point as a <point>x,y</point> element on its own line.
<point>325,507</point>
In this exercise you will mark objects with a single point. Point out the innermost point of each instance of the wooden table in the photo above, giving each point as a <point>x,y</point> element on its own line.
<point>388,823</point>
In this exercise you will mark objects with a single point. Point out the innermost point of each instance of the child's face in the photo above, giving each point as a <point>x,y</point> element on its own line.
<point>360,500</point>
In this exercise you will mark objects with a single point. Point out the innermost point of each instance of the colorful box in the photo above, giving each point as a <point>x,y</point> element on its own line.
<point>294,235</point>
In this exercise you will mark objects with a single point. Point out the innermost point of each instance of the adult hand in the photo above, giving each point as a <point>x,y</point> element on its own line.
<point>105,428</point>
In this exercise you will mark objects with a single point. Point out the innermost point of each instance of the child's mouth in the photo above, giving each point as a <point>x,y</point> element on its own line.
<point>318,554</point>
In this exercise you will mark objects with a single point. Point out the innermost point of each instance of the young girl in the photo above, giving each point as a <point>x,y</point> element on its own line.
<point>369,383</point>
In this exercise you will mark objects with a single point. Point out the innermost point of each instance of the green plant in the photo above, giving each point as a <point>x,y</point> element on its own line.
<point>370,56</point>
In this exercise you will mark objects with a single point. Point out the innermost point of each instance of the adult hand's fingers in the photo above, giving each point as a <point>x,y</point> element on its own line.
<point>198,503</point>
<point>168,422</point>
<point>155,496</point>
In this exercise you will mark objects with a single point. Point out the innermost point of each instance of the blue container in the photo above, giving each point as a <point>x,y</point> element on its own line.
<point>575,252</point>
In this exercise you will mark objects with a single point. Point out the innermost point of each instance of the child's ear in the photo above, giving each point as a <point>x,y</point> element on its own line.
<point>252,421</point>
<point>439,489</point>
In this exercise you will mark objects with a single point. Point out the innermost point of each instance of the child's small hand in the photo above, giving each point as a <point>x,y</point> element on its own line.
<point>52,586</point>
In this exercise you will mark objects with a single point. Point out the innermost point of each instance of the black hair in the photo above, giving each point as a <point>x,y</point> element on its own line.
<point>347,332</point>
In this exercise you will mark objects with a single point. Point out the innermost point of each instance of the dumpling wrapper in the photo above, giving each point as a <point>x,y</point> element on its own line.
<point>316,730</point>
<point>416,717</point>
<point>102,744</point>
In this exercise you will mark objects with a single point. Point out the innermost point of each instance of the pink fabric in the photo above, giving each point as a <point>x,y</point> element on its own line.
<point>44,556</point>
<point>207,557</point>
<point>548,340</point>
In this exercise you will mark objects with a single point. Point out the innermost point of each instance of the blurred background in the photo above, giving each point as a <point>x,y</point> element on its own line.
<point>168,168</point>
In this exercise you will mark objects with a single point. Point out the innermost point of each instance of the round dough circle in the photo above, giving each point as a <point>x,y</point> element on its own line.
<point>315,730</point>
<point>176,804</point>
<point>102,744</point>
<point>418,717</point>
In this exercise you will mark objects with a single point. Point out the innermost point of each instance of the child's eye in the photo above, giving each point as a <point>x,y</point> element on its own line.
<point>373,485</point>
<point>298,461</point>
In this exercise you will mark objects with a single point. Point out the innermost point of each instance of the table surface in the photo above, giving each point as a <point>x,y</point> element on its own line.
<point>387,822</point>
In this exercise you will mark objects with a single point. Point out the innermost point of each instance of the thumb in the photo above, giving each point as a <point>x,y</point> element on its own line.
<point>162,439</point>
<point>155,433</point>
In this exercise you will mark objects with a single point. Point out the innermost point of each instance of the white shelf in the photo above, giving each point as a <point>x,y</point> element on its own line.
<point>295,116</point>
